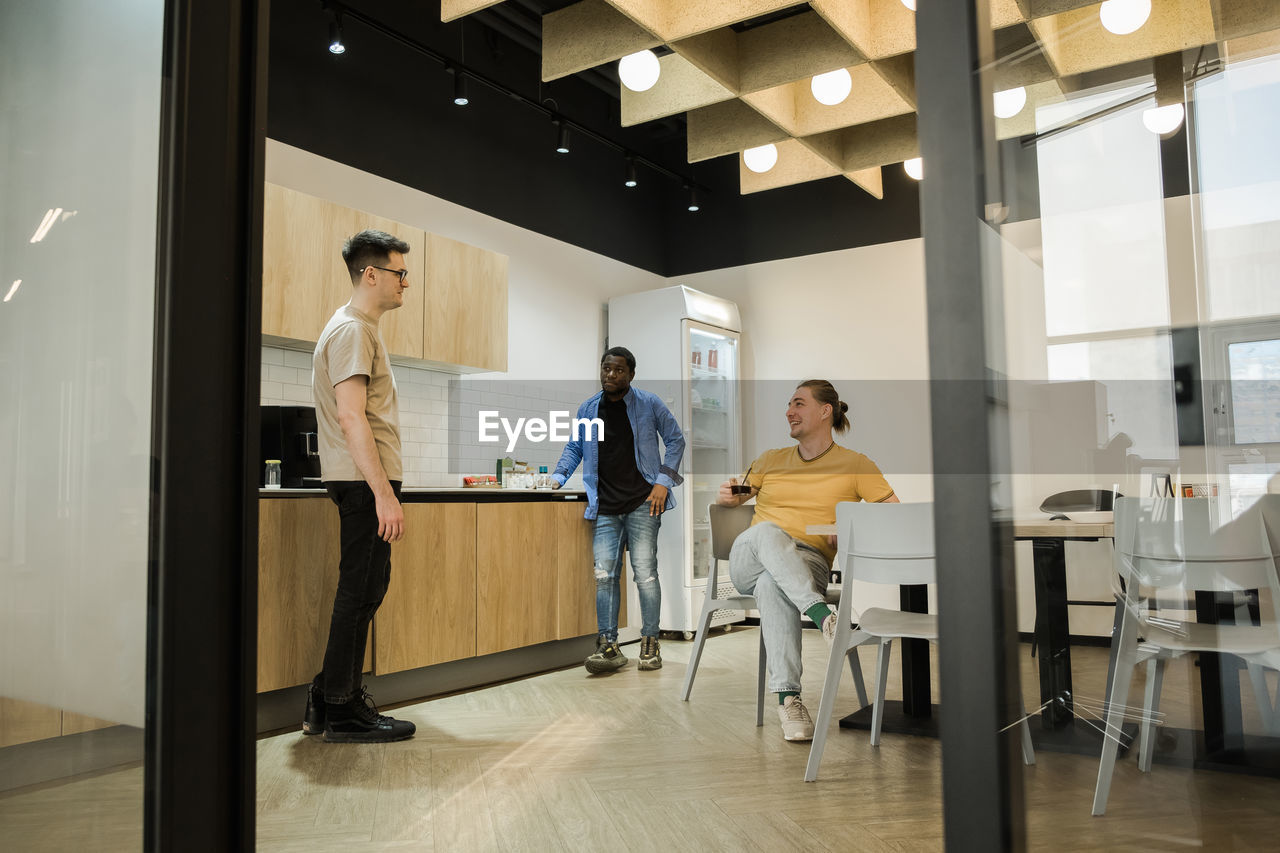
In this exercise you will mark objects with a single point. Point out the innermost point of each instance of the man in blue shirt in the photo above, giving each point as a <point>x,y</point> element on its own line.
<point>628,488</point>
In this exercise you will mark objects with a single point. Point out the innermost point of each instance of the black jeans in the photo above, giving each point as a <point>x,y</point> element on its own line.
<point>364,573</point>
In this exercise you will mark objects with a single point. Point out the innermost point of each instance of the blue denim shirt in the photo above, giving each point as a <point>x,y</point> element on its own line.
<point>649,418</point>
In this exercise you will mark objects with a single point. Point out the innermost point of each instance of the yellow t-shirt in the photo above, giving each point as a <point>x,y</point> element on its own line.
<point>795,494</point>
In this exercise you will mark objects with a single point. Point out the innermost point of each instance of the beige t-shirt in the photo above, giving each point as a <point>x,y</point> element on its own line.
<point>351,345</point>
<point>795,493</point>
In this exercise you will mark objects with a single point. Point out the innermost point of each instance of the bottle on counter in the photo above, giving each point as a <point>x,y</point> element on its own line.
<point>543,480</point>
<point>272,479</point>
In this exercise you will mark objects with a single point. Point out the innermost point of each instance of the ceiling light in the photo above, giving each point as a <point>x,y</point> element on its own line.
<point>760,159</point>
<point>1010,102</point>
<point>639,71</point>
<point>460,89</point>
<point>694,207</point>
<point>562,138</point>
<point>831,88</point>
<point>910,4</point>
<point>1163,120</point>
<point>1124,16</point>
<point>914,167</point>
<point>336,47</point>
<point>630,180</point>
<point>12,290</point>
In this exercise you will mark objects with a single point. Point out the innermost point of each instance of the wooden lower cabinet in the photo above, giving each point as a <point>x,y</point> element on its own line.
<point>429,614</point>
<point>23,722</point>
<point>535,575</point>
<point>468,579</point>
<point>298,554</point>
<point>516,575</point>
<point>575,573</point>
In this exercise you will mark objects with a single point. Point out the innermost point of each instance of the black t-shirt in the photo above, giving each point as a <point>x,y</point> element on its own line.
<point>622,489</point>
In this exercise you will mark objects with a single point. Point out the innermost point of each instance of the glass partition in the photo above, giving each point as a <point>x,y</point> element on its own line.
<point>80,96</point>
<point>1144,411</point>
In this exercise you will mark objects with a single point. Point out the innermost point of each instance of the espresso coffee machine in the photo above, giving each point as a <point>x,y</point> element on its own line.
<point>289,434</point>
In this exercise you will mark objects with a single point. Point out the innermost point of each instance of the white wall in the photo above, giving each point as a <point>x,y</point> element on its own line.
<point>855,317</point>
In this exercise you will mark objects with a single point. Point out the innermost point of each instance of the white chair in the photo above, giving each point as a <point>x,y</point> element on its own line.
<point>1174,547</point>
<point>727,523</point>
<point>889,544</point>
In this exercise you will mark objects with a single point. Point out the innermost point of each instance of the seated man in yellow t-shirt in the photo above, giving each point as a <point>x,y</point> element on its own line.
<point>785,568</point>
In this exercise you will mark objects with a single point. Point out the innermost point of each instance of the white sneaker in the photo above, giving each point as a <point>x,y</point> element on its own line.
<point>796,723</point>
<point>829,629</point>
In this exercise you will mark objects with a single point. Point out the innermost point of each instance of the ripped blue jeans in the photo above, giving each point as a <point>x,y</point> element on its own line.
<point>637,532</point>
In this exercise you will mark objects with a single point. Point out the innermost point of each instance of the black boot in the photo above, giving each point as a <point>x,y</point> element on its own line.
<point>358,721</point>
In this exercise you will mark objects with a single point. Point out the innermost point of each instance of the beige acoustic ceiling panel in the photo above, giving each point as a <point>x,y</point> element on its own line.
<point>741,70</point>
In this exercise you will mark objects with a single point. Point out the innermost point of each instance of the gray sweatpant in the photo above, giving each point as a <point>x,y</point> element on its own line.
<point>787,578</point>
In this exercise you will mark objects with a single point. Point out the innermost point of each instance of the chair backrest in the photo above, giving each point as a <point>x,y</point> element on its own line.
<point>886,543</point>
<point>1080,500</point>
<point>727,523</point>
<point>1182,543</point>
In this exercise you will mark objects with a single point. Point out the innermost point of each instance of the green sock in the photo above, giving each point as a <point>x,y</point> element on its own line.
<point>818,613</point>
<point>782,697</point>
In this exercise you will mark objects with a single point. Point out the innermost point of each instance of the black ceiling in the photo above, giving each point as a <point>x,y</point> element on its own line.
<point>386,108</point>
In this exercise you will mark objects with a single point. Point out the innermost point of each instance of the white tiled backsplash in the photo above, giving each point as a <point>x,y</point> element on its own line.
<point>435,452</point>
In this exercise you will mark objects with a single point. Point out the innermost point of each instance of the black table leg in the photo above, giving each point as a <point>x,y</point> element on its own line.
<point>915,657</point>
<point>1053,633</point>
<point>1219,679</point>
<point>914,714</point>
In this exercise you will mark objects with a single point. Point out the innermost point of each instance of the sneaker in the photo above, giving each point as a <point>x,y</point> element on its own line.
<point>607,657</point>
<point>650,654</point>
<point>829,629</point>
<point>313,714</point>
<point>358,721</point>
<point>796,723</point>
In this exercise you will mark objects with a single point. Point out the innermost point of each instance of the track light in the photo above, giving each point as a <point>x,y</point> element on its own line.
<point>630,180</point>
<point>693,199</point>
<point>562,137</point>
<point>460,89</point>
<point>914,167</point>
<point>336,47</point>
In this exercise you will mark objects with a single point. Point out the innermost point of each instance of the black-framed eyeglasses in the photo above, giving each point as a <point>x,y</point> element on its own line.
<point>401,273</point>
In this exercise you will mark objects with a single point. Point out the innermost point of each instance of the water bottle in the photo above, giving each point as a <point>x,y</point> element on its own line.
<point>273,474</point>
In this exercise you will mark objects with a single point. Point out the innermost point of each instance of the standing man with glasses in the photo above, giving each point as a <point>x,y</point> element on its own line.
<point>359,426</point>
<point>628,486</point>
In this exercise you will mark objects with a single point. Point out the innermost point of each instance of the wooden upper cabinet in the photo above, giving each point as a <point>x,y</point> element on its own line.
<point>304,281</point>
<point>466,317</point>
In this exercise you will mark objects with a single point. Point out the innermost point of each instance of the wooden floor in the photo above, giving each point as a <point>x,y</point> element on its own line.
<point>567,761</point>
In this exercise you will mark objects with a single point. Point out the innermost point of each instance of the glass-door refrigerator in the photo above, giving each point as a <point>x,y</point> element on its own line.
<point>686,345</point>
